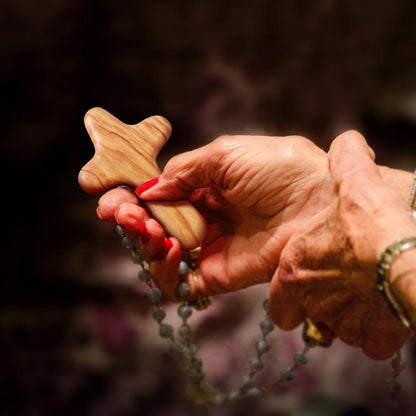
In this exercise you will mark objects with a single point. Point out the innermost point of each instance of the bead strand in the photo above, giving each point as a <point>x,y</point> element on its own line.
<point>398,365</point>
<point>201,391</point>
<point>199,388</point>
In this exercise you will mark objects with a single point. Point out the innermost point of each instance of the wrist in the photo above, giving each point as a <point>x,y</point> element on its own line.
<point>402,282</point>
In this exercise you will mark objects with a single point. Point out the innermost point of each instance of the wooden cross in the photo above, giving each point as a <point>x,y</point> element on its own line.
<point>126,155</point>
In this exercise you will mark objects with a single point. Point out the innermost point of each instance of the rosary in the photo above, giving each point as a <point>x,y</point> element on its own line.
<point>126,155</point>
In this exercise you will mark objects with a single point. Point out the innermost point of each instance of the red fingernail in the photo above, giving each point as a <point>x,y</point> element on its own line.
<point>144,234</point>
<point>167,245</point>
<point>145,186</point>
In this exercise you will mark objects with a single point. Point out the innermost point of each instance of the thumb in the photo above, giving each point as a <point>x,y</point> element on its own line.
<point>183,174</point>
<point>351,161</point>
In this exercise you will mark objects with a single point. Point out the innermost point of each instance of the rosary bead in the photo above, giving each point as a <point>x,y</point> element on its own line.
<point>192,349</point>
<point>185,330</point>
<point>196,375</point>
<point>183,268</point>
<point>266,305</point>
<point>262,346</point>
<point>234,395</point>
<point>136,257</point>
<point>158,313</point>
<point>253,393</point>
<point>300,358</point>
<point>128,243</point>
<point>287,374</point>
<point>183,290</point>
<point>144,275</point>
<point>176,348</point>
<point>267,326</point>
<point>155,295</point>
<point>246,382</point>
<point>256,364</point>
<point>184,311</point>
<point>165,330</point>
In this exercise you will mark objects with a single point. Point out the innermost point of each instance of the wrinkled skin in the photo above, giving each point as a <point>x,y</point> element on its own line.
<point>278,208</point>
<point>254,192</point>
<point>327,270</point>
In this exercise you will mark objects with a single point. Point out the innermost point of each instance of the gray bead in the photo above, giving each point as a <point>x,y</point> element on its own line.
<point>155,295</point>
<point>287,374</point>
<point>256,364</point>
<point>300,358</point>
<point>185,330</point>
<point>128,243</point>
<point>234,396</point>
<point>136,257</point>
<point>196,375</point>
<point>176,348</point>
<point>165,330</point>
<point>267,326</point>
<point>262,346</point>
<point>183,290</point>
<point>158,313</point>
<point>183,268</point>
<point>253,393</point>
<point>184,311</point>
<point>192,350</point>
<point>266,305</point>
<point>246,382</point>
<point>144,275</point>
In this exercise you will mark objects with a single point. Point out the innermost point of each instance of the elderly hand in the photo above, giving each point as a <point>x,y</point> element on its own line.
<point>327,270</point>
<point>254,191</point>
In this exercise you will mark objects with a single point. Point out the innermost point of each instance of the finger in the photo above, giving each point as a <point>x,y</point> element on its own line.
<point>164,271</point>
<point>131,217</point>
<point>286,312</point>
<point>152,239</point>
<point>110,202</point>
<point>351,160</point>
<point>184,173</point>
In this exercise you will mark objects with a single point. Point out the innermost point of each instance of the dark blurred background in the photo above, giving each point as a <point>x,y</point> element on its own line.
<point>74,339</point>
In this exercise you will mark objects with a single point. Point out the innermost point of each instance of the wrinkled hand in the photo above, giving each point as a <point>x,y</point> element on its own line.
<point>255,192</point>
<point>327,269</point>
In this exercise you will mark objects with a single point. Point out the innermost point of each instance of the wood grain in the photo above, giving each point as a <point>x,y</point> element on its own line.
<point>126,155</point>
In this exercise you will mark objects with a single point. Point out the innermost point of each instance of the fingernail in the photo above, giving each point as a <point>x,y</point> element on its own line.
<point>167,245</point>
<point>144,234</point>
<point>145,186</point>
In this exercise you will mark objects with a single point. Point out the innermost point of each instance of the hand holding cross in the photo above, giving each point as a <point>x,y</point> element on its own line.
<point>126,155</point>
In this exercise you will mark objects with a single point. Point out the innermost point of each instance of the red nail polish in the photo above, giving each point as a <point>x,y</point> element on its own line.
<point>167,245</point>
<point>144,234</point>
<point>145,186</point>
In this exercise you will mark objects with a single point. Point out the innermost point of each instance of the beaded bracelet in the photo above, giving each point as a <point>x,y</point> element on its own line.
<point>387,257</point>
<point>383,269</point>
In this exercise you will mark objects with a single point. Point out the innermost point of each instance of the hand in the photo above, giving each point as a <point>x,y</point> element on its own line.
<point>327,269</point>
<point>255,192</point>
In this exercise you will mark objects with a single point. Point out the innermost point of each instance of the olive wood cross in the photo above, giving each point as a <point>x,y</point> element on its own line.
<point>126,155</point>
